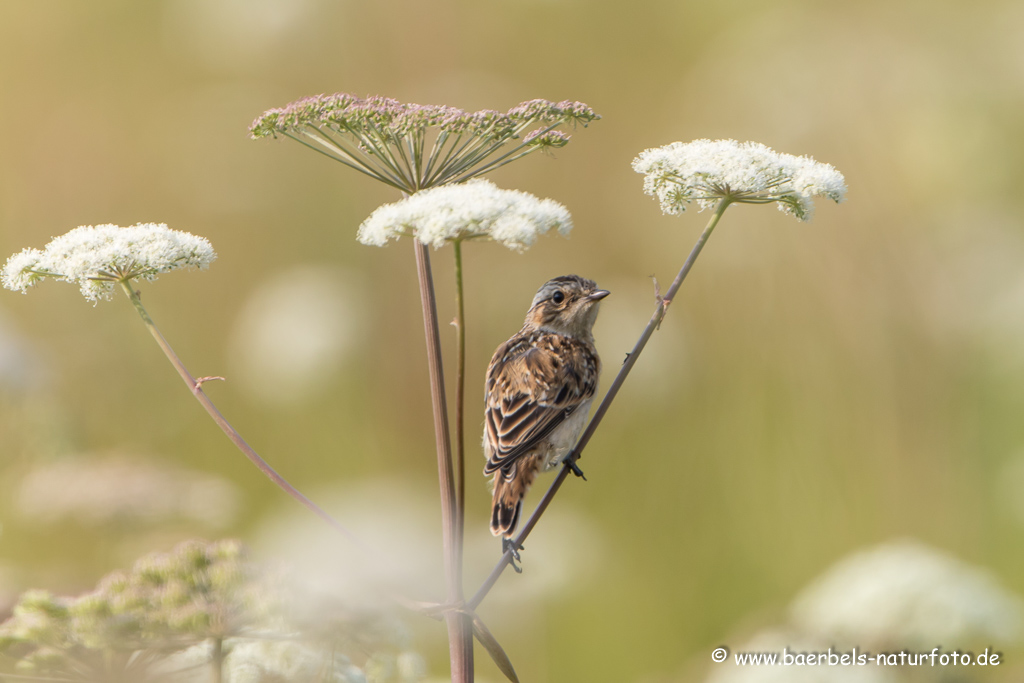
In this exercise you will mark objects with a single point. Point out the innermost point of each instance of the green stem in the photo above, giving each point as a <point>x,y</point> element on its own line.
<point>460,397</point>
<point>613,390</point>
<point>196,387</point>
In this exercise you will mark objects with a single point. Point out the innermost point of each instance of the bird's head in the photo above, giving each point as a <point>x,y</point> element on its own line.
<point>566,305</point>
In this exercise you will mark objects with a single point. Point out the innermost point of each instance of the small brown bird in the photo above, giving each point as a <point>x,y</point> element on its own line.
<point>540,385</point>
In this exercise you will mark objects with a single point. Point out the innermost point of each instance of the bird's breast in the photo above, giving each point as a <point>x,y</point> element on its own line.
<point>564,437</point>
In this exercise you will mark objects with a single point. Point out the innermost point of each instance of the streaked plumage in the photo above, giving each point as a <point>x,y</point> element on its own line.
<point>540,385</point>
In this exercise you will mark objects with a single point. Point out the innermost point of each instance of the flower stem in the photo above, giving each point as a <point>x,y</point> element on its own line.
<point>613,390</point>
<point>197,390</point>
<point>460,396</point>
<point>460,628</point>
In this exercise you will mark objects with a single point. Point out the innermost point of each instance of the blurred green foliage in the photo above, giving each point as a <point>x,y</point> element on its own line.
<point>816,388</point>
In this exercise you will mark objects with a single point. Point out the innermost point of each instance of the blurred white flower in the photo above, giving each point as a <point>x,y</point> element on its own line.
<point>402,524</point>
<point>235,34</point>
<point>405,667</point>
<point>471,210</point>
<point>707,171</point>
<point>261,661</point>
<point>96,257</point>
<point>270,662</point>
<point>775,642</point>
<point>905,594</point>
<point>117,488</point>
<point>295,332</point>
<point>556,565</point>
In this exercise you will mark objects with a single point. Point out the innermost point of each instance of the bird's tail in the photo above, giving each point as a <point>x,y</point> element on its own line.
<point>509,488</point>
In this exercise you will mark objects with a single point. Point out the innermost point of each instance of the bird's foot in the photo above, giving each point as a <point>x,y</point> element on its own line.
<point>508,545</point>
<point>575,469</point>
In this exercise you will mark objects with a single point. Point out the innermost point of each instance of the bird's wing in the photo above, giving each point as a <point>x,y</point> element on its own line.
<point>534,383</point>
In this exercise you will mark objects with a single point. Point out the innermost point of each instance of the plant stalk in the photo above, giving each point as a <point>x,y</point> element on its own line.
<point>613,390</point>
<point>460,398</point>
<point>460,629</point>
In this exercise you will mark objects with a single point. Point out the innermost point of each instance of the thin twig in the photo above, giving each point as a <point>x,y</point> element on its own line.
<point>197,390</point>
<point>656,318</point>
<point>460,630</point>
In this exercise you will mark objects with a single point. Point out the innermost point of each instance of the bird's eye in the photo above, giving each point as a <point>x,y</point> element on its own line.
<point>558,297</point>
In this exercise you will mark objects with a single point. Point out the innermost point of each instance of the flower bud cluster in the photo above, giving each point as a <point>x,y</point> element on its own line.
<point>413,147</point>
<point>395,120</point>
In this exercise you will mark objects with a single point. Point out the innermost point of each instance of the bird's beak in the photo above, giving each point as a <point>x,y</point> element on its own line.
<point>598,294</point>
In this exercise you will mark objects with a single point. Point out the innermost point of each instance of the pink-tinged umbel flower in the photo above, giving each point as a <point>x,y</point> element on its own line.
<point>413,147</point>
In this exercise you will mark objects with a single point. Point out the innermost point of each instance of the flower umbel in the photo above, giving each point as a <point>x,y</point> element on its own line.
<point>906,594</point>
<point>97,257</point>
<point>477,209</point>
<point>708,171</point>
<point>414,146</point>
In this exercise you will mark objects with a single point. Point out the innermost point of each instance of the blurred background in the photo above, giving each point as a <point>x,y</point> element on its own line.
<point>818,390</point>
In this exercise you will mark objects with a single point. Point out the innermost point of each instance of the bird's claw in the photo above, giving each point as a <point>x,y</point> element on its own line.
<point>509,545</point>
<point>575,469</point>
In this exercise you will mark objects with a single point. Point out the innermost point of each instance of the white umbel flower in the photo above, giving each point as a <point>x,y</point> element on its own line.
<point>905,594</point>
<point>708,171</point>
<point>97,257</point>
<point>473,210</point>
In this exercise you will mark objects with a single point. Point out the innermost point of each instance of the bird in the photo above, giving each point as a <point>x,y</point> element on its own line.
<point>539,387</point>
